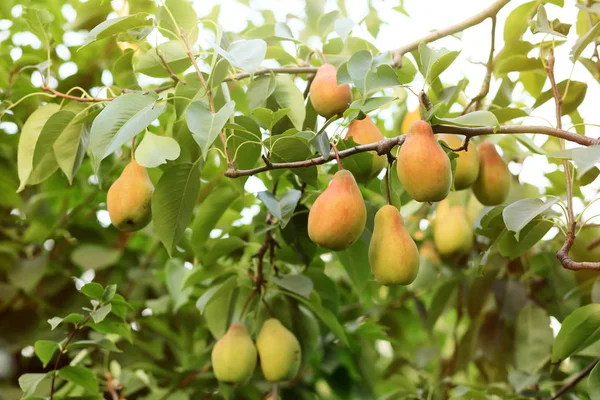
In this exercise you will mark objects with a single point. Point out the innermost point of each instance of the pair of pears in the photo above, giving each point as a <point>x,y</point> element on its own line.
<point>425,171</point>
<point>234,356</point>
<point>129,199</point>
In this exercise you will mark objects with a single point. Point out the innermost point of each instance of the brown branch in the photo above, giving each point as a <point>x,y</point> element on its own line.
<point>463,147</point>
<point>266,71</point>
<point>485,87</point>
<point>172,74</point>
<point>75,98</point>
<point>337,156</point>
<point>476,19</point>
<point>594,244</point>
<point>576,379</point>
<point>109,386</point>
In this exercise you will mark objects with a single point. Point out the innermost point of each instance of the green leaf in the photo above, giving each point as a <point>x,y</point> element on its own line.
<point>101,313</point>
<point>267,118</point>
<point>583,42</point>
<point>440,65</point>
<point>284,209</point>
<point>517,22</point>
<point>216,305</point>
<point>245,54</point>
<point>28,273</point>
<point>123,73</point>
<point>358,67</point>
<point>117,25</point>
<point>326,22</point>
<point>299,284</point>
<point>518,214</point>
<point>28,138</point>
<point>45,350</point>
<point>532,233</point>
<point>260,90</point>
<point>580,329</point>
<point>38,21</point>
<point>343,27</point>
<point>120,121</point>
<point>109,293</point>
<point>93,290</point>
<point>519,62</point>
<point>508,114</point>
<point>475,118</point>
<point>185,15</point>
<point>383,77</point>
<point>70,147</point>
<point>204,125</point>
<point>156,150</point>
<point>571,101</point>
<point>287,95</point>
<point>29,383</point>
<point>533,338</point>
<point>100,344</point>
<point>80,376</point>
<point>73,318</point>
<point>542,25</point>
<point>173,51</point>
<point>173,202</point>
<point>293,147</point>
<point>585,158</point>
<point>209,213</point>
<point>176,274</point>
<point>112,325</point>
<point>356,263</point>
<point>96,257</point>
<point>594,383</point>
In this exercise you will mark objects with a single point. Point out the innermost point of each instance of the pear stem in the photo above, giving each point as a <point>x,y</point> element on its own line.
<point>387,184</point>
<point>133,149</point>
<point>337,157</point>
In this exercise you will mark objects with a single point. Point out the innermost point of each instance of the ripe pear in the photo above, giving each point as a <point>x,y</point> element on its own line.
<point>393,255</point>
<point>467,163</point>
<point>327,97</point>
<point>338,216</point>
<point>452,231</point>
<point>364,132</point>
<point>423,167</point>
<point>279,351</point>
<point>493,183</point>
<point>474,207</point>
<point>409,118</point>
<point>234,355</point>
<point>129,198</point>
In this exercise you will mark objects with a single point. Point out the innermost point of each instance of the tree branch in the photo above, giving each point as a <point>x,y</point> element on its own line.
<point>75,98</point>
<point>576,379</point>
<point>476,19</point>
<point>290,70</point>
<point>485,87</point>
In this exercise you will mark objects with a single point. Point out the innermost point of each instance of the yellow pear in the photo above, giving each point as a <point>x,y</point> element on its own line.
<point>279,351</point>
<point>474,207</point>
<point>364,131</point>
<point>234,355</point>
<point>423,167</point>
<point>452,231</point>
<point>409,118</point>
<point>129,198</point>
<point>327,97</point>
<point>493,183</point>
<point>393,255</point>
<point>338,216</point>
<point>467,163</point>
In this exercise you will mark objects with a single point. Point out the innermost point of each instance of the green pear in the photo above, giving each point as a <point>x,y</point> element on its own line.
<point>423,167</point>
<point>338,216</point>
<point>327,97</point>
<point>452,231</point>
<point>129,198</point>
<point>493,183</point>
<point>364,131</point>
<point>393,255</point>
<point>467,163</point>
<point>279,351</point>
<point>234,355</point>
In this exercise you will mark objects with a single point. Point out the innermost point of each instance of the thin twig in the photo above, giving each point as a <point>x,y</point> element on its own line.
<point>75,98</point>
<point>485,87</point>
<point>337,156</point>
<point>387,184</point>
<point>432,37</point>
<point>186,381</point>
<point>266,71</point>
<point>576,379</point>
<point>172,74</point>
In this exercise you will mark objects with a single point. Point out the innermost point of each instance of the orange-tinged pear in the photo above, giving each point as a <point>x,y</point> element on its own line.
<point>423,167</point>
<point>467,163</point>
<point>327,97</point>
<point>493,183</point>
<point>234,356</point>
<point>393,255</point>
<point>452,231</point>
<point>364,131</point>
<point>338,216</point>
<point>129,198</point>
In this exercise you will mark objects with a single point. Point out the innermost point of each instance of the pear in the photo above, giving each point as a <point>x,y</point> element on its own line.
<point>467,163</point>
<point>234,355</point>
<point>338,216</point>
<point>129,198</point>
<point>409,118</point>
<point>423,167</point>
<point>327,97</point>
<point>364,132</point>
<point>279,351</point>
<point>393,255</point>
<point>452,231</point>
<point>474,207</point>
<point>493,183</point>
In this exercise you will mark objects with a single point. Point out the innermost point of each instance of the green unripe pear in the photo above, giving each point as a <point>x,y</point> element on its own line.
<point>364,131</point>
<point>129,198</point>
<point>279,351</point>
<point>467,163</point>
<point>338,216</point>
<point>393,255</point>
<point>327,97</point>
<point>493,183</point>
<point>234,355</point>
<point>423,167</point>
<point>452,231</point>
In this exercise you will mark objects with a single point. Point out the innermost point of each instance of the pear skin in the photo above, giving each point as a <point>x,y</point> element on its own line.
<point>493,183</point>
<point>338,216</point>
<point>279,351</point>
<point>409,118</point>
<point>474,207</point>
<point>467,163</point>
<point>234,355</point>
<point>452,231</point>
<point>129,198</point>
<point>393,255</point>
<point>423,167</point>
<point>327,97</point>
<point>364,132</point>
